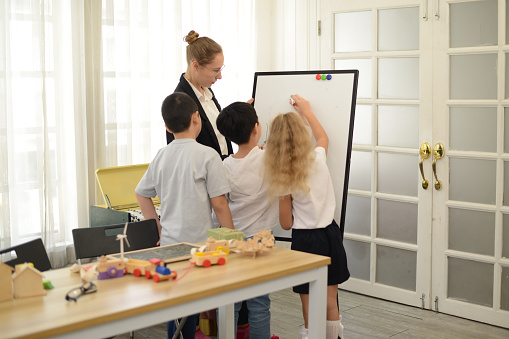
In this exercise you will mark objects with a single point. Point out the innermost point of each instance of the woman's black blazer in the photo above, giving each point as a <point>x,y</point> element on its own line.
<point>207,136</point>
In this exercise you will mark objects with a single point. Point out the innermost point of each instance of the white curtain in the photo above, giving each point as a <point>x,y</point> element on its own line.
<point>81,85</point>
<point>41,102</point>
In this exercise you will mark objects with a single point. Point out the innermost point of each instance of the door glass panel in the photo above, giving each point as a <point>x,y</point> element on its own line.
<point>474,24</point>
<point>362,130</point>
<point>465,286</point>
<point>471,180</point>
<point>474,76</point>
<point>358,254</point>
<point>398,78</point>
<point>398,29</point>
<point>473,129</point>
<point>472,231</point>
<point>345,24</point>
<point>396,267</point>
<point>390,118</point>
<point>360,171</point>
<point>358,216</point>
<point>398,173</point>
<point>504,296</point>
<point>364,85</point>
<point>505,236</point>
<point>397,221</point>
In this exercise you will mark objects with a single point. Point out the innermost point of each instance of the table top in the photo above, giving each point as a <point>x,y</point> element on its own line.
<point>129,296</point>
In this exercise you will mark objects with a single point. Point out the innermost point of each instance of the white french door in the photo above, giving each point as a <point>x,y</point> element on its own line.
<point>428,198</point>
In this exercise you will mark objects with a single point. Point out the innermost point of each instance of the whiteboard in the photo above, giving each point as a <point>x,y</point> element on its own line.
<point>333,102</point>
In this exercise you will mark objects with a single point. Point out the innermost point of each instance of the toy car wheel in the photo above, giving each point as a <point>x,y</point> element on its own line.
<point>206,263</point>
<point>112,271</point>
<point>221,261</point>
<point>156,278</point>
<point>175,275</point>
<point>148,275</point>
<point>137,272</point>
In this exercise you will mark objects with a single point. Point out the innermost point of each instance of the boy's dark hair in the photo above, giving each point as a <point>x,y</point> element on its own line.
<point>177,110</point>
<point>236,122</point>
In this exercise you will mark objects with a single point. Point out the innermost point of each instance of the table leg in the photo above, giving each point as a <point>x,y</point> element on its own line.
<point>226,328</point>
<point>318,304</point>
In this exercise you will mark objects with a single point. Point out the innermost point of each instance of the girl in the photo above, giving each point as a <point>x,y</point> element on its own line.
<point>299,176</point>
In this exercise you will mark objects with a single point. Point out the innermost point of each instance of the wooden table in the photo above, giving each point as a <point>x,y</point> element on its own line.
<point>129,303</point>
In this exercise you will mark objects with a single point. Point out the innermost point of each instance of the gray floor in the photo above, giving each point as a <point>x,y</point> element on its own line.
<point>365,317</point>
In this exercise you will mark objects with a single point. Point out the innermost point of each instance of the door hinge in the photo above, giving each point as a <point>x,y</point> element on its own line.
<point>423,298</point>
<point>319,27</point>
<point>436,304</point>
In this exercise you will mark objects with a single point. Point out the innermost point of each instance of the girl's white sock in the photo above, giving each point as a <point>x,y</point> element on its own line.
<point>334,329</point>
<point>304,333</point>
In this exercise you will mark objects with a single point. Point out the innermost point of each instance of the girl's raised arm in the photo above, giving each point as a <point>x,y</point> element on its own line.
<point>303,107</point>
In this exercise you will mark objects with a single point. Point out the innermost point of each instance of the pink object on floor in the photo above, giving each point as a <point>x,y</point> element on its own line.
<point>199,335</point>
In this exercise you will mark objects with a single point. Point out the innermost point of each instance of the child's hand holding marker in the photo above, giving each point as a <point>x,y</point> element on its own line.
<point>302,106</point>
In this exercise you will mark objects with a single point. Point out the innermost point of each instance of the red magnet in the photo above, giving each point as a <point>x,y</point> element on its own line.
<point>318,77</point>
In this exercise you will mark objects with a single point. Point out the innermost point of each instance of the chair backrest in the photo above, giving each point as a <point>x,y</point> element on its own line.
<point>32,251</point>
<point>101,240</point>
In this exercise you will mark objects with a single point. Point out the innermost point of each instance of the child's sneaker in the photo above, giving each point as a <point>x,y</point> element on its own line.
<point>243,331</point>
<point>200,335</point>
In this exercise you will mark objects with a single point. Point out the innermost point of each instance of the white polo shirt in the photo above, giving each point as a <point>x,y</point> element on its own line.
<point>211,111</point>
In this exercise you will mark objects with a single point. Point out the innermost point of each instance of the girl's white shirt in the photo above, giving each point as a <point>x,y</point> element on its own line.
<point>315,209</point>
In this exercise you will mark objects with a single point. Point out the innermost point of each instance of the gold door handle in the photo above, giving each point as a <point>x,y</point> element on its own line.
<point>438,153</point>
<point>425,152</point>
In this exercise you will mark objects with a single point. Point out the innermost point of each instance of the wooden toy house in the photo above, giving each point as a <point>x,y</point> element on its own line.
<point>5,282</point>
<point>117,185</point>
<point>27,282</point>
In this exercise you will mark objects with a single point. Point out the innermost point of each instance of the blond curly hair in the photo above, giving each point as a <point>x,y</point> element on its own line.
<point>288,155</point>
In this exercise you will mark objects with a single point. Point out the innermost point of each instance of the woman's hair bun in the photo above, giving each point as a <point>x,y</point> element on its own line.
<point>191,37</point>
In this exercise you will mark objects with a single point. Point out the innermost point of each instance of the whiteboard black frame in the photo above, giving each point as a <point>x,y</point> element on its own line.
<point>350,129</point>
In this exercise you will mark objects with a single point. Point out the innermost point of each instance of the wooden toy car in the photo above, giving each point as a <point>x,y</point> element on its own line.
<point>206,259</point>
<point>139,267</point>
<point>154,268</point>
<point>163,273</point>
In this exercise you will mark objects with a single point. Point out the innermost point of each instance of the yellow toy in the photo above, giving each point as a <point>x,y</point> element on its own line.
<point>206,259</point>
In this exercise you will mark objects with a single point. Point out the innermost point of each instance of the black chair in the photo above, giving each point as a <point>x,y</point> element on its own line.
<point>93,242</point>
<point>32,251</point>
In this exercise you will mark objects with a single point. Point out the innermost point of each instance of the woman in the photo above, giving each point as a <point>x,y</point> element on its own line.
<point>205,61</point>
